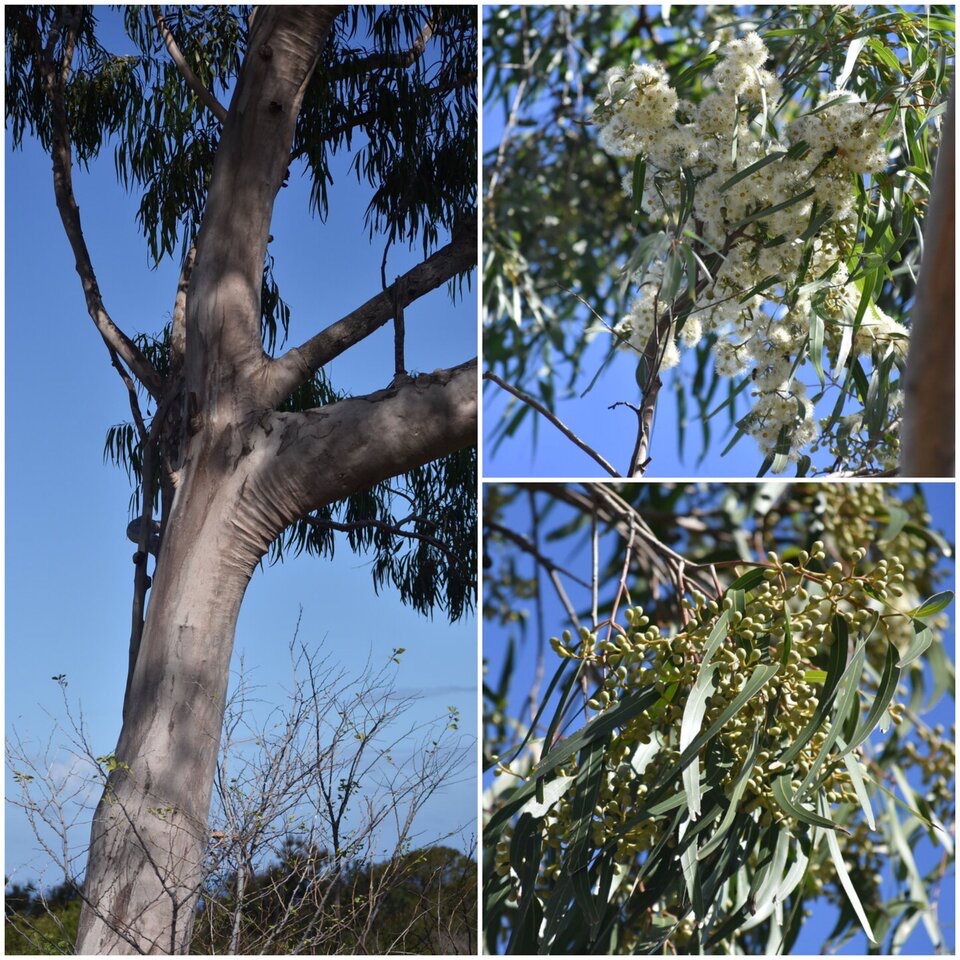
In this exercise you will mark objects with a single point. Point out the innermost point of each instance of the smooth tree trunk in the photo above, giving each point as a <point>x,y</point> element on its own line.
<point>246,473</point>
<point>929,415</point>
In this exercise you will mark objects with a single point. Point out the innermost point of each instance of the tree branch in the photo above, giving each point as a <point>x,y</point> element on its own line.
<point>178,328</point>
<point>556,421</point>
<point>381,61</point>
<point>297,365</point>
<point>117,341</point>
<point>223,308</point>
<point>193,81</point>
<point>319,456</point>
<point>397,529</point>
<point>131,393</point>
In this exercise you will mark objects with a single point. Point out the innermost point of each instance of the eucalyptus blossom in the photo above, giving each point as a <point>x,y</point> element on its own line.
<point>777,204</point>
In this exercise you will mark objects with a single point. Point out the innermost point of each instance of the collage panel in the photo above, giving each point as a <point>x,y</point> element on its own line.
<point>241,479</point>
<point>709,235</point>
<point>718,718</point>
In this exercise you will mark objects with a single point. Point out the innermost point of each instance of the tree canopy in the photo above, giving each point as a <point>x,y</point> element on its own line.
<point>395,90</point>
<point>772,221</point>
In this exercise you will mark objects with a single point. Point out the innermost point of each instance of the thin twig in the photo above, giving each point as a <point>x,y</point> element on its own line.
<point>538,604</point>
<point>61,150</point>
<point>524,544</point>
<point>562,427</point>
<point>452,559</point>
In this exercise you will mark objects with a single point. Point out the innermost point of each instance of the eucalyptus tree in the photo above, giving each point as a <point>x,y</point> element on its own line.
<point>250,448</point>
<point>737,192</point>
<point>714,711</point>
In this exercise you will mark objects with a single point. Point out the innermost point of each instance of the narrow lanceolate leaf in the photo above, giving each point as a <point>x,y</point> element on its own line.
<point>639,175</point>
<point>691,874</point>
<point>549,795</point>
<point>672,274</point>
<point>739,787</point>
<point>749,580</point>
<point>855,769</point>
<point>841,868</point>
<point>769,888</point>
<point>816,344</point>
<point>835,666</point>
<point>853,51</point>
<point>898,517</point>
<point>847,692</point>
<point>866,287</point>
<point>600,726</point>
<point>588,786</point>
<point>765,212</point>
<point>525,860</point>
<point>753,684</point>
<point>933,605</point>
<point>922,638</point>
<point>782,788</point>
<point>694,710</point>
<point>752,169</point>
<point>885,691</point>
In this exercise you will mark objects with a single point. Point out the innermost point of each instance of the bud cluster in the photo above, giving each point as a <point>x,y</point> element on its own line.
<point>787,618</point>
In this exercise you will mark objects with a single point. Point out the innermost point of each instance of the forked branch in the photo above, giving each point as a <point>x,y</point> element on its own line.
<point>296,366</point>
<point>54,80</point>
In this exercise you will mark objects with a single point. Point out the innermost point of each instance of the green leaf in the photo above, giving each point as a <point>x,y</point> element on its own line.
<point>933,605</point>
<point>855,769</point>
<point>600,726</point>
<point>739,786</point>
<point>787,636</point>
<point>847,693</point>
<point>750,688</point>
<point>672,274</point>
<point>781,793</point>
<point>885,691</point>
<point>639,175</point>
<point>752,169</point>
<point>539,805</point>
<point>917,887</point>
<point>898,517</point>
<point>768,884</point>
<point>525,859</point>
<point>749,580</point>
<point>764,284</point>
<point>884,54</point>
<point>923,637</point>
<point>853,51</point>
<point>693,712</point>
<point>816,344</point>
<point>588,786</point>
<point>848,887</point>
<point>767,211</point>
<point>835,669</point>
<point>699,67</point>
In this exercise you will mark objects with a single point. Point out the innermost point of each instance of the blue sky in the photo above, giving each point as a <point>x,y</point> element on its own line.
<point>69,573</point>
<point>571,554</point>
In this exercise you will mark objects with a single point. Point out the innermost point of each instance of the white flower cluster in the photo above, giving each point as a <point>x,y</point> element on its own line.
<point>810,192</point>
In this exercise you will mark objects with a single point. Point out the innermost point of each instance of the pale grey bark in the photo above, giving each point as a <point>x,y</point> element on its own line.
<point>929,415</point>
<point>245,473</point>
